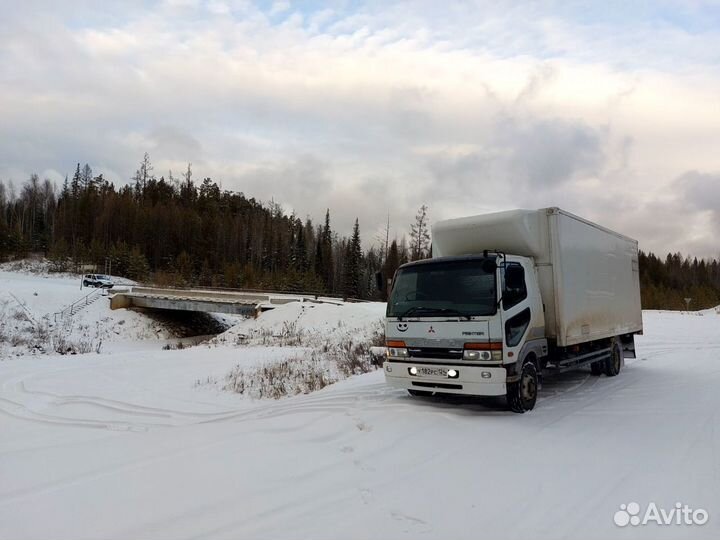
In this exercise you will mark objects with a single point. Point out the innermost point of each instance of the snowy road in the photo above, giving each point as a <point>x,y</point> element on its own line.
<point>125,446</point>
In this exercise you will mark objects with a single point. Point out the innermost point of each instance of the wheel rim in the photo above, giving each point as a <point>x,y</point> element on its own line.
<point>528,387</point>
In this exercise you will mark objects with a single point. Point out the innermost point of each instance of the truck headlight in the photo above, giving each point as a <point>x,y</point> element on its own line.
<point>483,352</point>
<point>469,354</point>
<point>397,352</point>
<point>396,349</point>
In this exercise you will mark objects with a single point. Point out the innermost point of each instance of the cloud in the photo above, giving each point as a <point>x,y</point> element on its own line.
<point>702,190</point>
<point>175,144</point>
<point>279,7</point>
<point>521,162</point>
<point>373,108</point>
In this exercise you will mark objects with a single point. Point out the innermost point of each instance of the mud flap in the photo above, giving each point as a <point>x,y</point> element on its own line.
<point>628,346</point>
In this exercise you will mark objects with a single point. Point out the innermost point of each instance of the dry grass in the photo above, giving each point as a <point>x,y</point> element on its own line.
<point>299,375</point>
<point>327,362</point>
<point>41,338</point>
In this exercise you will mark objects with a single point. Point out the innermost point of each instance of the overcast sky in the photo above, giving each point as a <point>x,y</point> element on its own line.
<point>608,109</point>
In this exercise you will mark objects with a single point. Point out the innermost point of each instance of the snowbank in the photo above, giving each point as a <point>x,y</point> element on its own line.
<point>308,322</point>
<point>332,342</point>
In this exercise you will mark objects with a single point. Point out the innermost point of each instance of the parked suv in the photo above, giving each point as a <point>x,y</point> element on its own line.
<point>98,280</point>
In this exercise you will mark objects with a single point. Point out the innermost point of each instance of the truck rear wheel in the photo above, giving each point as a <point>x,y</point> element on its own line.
<point>522,395</point>
<point>614,363</point>
<point>597,368</point>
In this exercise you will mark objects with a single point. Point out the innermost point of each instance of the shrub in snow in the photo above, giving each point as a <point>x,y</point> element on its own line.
<point>338,342</point>
<point>59,343</point>
<point>328,362</point>
<point>176,347</point>
<point>18,340</point>
<point>353,358</point>
<point>299,375</point>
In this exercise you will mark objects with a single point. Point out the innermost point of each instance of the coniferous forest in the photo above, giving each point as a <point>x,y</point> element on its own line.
<point>182,232</point>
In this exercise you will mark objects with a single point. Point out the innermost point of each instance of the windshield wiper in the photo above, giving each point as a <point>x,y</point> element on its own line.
<point>447,311</point>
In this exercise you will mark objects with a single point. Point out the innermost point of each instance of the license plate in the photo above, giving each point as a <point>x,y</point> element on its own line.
<point>432,372</point>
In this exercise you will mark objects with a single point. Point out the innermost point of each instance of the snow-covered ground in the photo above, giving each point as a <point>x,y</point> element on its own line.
<point>147,444</point>
<point>31,298</point>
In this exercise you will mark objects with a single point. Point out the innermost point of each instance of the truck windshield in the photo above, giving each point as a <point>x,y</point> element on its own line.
<point>455,288</point>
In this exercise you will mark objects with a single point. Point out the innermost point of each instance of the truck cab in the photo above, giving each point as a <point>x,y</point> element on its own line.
<point>467,325</point>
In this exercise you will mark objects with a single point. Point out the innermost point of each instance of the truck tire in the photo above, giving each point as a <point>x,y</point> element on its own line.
<point>597,368</point>
<point>420,393</point>
<point>613,365</point>
<point>522,395</point>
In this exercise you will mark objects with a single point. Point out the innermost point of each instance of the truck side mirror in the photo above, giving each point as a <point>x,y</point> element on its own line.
<point>380,281</point>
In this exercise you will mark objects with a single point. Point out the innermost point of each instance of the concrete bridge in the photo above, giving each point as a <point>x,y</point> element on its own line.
<point>208,300</point>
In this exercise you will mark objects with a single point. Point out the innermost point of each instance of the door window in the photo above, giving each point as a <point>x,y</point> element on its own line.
<point>515,327</point>
<point>515,289</point>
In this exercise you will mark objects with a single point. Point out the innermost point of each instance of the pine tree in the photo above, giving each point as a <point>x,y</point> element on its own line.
<point>299,249</point>
<point>319,263</point>
<point>353,262</point>
<point>392,262</point>
<point>65,193</point>
<point>142,176</point>
<point>86,177</point>
<point>76,184</point>
<point>326,251</point>
<point>420,235</point>
<point>187,188</point>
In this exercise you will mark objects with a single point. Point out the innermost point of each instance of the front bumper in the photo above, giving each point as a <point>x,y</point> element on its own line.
<point>471,380</point>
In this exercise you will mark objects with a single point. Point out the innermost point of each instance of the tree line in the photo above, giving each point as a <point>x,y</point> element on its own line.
<point>179,231</point>
<point>667,283</point>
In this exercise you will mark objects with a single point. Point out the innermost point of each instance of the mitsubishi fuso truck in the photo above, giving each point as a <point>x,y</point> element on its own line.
<point>508,298</point>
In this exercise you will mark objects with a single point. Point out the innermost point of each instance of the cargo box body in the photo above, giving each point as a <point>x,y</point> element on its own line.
<point>588,275</point>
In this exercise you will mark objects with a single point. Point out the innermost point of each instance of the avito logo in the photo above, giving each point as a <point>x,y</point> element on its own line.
<point>680,514</point>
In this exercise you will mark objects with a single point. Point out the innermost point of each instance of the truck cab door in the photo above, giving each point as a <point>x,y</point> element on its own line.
<point>518,308</point>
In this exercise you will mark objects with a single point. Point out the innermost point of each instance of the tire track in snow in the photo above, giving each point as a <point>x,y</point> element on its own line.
<point>14,402</point>
<point>365,397</point>
<point>122,406</point>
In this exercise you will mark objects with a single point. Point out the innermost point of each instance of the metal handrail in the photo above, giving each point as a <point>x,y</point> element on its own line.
<point>85,300</point>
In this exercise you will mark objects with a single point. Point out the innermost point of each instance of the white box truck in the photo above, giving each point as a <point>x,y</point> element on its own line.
<point>508,298</point>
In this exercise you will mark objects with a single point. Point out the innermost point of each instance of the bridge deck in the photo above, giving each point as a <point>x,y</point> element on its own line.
<point>235,302</point>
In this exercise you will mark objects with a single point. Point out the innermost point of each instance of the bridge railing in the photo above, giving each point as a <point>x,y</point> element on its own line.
<point>314,294</point>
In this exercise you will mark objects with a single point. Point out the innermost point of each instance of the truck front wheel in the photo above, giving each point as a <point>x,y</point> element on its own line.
<point>614,363</point>
<point>522,395</point>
